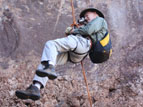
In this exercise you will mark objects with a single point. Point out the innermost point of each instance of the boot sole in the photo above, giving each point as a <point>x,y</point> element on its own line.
<point>24,96</point>
<point>44,74</point>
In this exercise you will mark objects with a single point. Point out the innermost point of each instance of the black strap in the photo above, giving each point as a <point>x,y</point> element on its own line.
<point>80,53</point>
<point>69,59</point>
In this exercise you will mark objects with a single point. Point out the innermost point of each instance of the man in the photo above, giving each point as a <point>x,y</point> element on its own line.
<point>74,48</point>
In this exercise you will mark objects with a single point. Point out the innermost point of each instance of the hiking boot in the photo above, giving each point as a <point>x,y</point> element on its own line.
<point>32,92</point>
<point>49,72</point>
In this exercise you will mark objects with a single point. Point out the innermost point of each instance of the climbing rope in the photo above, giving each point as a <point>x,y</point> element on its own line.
<point>83,71</point>
<point>73,15</point>
<point>89,96</point>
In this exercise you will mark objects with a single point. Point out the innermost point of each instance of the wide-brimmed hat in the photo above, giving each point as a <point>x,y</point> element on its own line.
<point>91,10</point>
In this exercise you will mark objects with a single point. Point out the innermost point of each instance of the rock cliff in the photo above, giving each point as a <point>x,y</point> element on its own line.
<point>25,26</point>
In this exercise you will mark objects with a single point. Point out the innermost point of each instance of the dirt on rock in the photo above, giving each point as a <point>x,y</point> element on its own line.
<point>25,26</point>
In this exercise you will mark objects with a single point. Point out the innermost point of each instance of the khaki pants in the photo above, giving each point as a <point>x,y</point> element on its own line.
<point>60,50</point>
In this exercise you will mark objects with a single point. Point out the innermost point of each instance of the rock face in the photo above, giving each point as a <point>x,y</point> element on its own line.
<point>25,26</point>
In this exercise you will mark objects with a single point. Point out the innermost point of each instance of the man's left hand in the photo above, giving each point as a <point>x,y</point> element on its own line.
<point>68,30</point>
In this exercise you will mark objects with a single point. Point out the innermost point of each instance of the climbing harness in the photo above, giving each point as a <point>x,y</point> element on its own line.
<point>83,71</point>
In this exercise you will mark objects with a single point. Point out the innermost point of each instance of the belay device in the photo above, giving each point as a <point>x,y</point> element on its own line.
<point>101,50</point>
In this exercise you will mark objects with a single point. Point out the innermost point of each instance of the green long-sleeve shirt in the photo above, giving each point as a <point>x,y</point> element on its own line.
<point>97,26</point>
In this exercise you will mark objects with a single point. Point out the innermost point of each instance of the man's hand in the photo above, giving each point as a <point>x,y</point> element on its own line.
<point>68,30</point>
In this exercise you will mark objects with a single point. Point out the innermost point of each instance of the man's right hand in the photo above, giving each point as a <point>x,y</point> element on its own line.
<point>68,30</point>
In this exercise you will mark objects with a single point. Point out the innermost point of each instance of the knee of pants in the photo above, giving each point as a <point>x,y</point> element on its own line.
<point>49,43</point>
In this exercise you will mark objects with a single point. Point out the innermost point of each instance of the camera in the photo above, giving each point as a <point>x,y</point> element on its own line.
<point>82,21</point>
